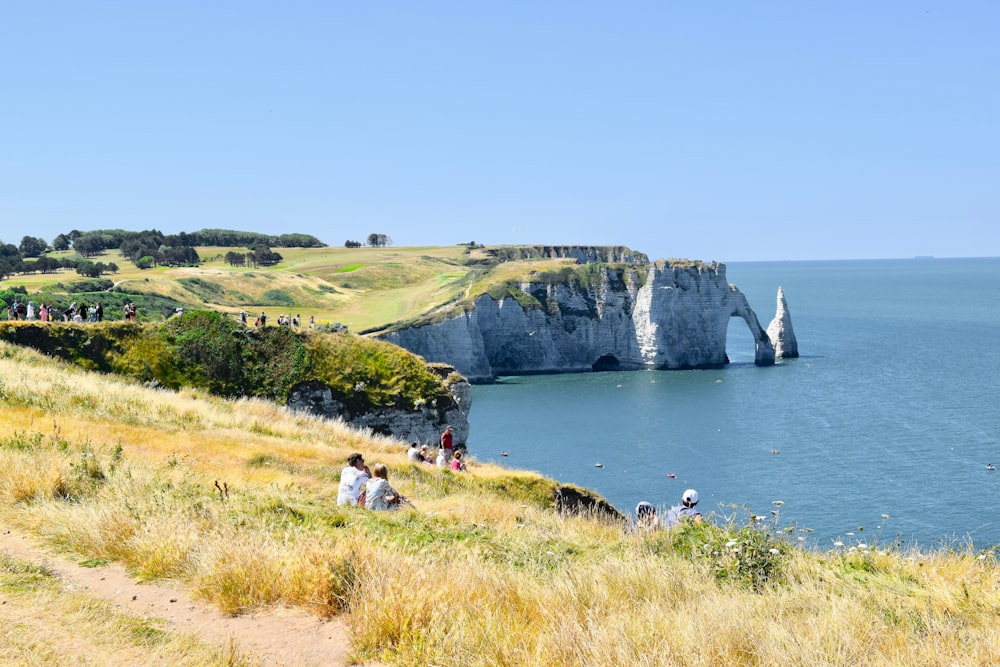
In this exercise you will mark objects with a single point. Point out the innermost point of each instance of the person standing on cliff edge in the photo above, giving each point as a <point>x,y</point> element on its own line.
<point>446,442</point>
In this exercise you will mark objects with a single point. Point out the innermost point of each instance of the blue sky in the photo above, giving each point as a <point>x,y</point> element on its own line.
<point>729,131</point>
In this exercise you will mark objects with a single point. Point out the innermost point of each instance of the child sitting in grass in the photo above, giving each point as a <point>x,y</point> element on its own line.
<point>378,494</point>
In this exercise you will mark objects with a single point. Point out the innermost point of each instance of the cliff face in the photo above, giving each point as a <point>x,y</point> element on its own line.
<point>423,424</point>
<point>668,315</point>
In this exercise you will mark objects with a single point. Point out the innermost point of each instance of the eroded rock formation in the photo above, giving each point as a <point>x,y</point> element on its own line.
<point>665,315</point>
<point>423,423</point>
<point>780,331</point>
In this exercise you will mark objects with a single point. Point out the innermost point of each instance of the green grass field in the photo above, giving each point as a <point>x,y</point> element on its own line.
<point>362,288</point>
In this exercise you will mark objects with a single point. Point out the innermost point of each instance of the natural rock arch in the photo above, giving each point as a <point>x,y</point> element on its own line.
<point>763,349</point>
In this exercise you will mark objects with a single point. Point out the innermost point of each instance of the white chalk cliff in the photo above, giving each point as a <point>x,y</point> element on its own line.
<point>780,331</point>
<point>663,315</point>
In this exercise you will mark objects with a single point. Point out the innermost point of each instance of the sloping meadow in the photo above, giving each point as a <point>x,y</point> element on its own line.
<point>207,350</point>
<point>236,499</point>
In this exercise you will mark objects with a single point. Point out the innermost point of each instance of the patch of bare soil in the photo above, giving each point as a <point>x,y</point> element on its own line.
<point>283,638</point>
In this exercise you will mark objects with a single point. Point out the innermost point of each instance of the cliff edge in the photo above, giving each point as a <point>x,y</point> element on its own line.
<point>667,314</point>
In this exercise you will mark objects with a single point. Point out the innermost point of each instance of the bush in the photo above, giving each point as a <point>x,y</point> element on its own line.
<point>744,550</point>
<point>373,372</point>
<point>207,350</point>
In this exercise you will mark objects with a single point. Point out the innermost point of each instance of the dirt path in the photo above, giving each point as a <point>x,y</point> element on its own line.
<point>285,638</point>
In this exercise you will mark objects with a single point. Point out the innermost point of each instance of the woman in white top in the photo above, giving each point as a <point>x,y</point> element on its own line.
<point>352,480</point>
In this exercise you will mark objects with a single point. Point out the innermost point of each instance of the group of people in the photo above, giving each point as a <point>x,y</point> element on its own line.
<point>646,518</point>
<point>19,310</point>
<point>369,487</point>
<point>447,456</point>
<point>283,320</point>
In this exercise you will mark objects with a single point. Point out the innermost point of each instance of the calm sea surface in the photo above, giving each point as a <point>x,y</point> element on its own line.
<point>891,409</point>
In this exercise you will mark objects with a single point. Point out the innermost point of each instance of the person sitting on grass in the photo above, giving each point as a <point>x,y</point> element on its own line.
<point>645,517</point>
<point>413,454</point>
<point>457,464</point>
<point>378,494</point>
<point>352,480</point>
<point>685,511</point>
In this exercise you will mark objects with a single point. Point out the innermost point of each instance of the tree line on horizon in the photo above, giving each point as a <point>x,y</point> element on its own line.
<point>145,249</point>
<point>149,248</point>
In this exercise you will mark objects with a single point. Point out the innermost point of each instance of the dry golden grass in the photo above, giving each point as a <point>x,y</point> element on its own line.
<point>47,622</point>
<point>479,573</point>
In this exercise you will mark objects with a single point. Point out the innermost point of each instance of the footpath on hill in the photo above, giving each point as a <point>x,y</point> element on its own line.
<point>284,638</point>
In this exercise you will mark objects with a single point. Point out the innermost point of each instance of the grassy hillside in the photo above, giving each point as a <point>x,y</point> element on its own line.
<point>362,288</point>
<point>205,350</point>
<point>236,501</point>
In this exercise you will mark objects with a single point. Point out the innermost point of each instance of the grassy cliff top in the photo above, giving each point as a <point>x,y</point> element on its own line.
<point>236,501</point>
<point>361,288</point>
<point>205,350</point>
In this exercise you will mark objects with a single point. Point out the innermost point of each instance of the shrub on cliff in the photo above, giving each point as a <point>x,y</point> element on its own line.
<point>382,373</point>
<point>209,351</point>
<point>94,347</point>
<point>206,350</point>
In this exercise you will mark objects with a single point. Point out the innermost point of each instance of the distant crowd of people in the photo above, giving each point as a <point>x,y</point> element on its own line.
<point>94,312</point>
<point>283,320</point>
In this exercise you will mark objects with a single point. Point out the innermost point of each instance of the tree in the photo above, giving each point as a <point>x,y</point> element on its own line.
<point>179,255</point>
<point>47,264</point>
<point>263,256</point>
<point>88,269</point>
<point>61,242</point>
<point>33,247</point>
<point>352,244</point>
<point>379,240</point>
<point>88,245</point>
<point>236,258</point>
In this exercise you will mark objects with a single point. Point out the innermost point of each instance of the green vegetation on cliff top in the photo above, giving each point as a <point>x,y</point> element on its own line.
<point>365,289</point>
<point>206,350</point>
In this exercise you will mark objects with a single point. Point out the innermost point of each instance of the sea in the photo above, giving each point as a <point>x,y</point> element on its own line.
<point>881,432</point>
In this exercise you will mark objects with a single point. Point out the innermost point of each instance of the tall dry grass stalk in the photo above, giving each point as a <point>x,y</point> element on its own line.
<point>236,499</point>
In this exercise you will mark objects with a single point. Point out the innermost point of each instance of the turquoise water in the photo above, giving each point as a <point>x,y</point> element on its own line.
<point>892,409</point>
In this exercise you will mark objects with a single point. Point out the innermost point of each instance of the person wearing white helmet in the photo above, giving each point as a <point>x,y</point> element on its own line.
<point>685,511</point>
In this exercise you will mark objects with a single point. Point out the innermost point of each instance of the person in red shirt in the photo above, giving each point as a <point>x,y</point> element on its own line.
<point>446,442</point>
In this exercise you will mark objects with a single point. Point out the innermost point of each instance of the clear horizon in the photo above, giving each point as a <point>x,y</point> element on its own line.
<point>744,133</point>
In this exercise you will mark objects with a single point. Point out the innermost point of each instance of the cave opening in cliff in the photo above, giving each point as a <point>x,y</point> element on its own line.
<point>740,345</point>
<point>608,362</point>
